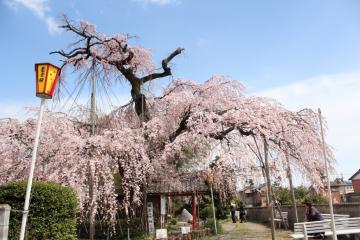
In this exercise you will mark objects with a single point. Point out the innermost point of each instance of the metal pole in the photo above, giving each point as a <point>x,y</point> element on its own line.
<point>269,192</point>
<point>93,99</point>
<point>93,123</point>
<point>213,208</point>
<point>328,179</point>
<point>31,173</point>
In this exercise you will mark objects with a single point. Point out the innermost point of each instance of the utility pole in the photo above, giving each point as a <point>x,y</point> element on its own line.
<point>93,98</point>
<point>328,180</point>
<point>93,123</point>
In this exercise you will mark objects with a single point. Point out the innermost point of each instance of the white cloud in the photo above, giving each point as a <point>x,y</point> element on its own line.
<point>157,2</point>
<point>22,110</point>
<point>52,25</point>
<point>38,7</point>
<point>338,96</point>
<point>15,110</point>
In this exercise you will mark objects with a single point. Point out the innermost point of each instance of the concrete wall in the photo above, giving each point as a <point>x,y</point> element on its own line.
<point>4,221</point>
<point>262,215</point>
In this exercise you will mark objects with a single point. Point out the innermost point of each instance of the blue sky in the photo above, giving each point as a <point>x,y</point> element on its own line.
<point>303,53</point>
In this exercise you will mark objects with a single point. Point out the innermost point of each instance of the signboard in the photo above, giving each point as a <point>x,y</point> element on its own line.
<point>163,205</point>
<point>162,210</point>
<point>161,234</point>
<point>150,213</point>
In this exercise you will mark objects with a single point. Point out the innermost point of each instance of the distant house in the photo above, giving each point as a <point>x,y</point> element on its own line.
<point>355,196</point>
<point>339,190</point>
<point>254,196</point>
<point>355,179</point>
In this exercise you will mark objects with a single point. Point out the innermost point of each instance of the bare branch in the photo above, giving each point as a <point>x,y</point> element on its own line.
<point>164,64</point>
<point>182,126</point>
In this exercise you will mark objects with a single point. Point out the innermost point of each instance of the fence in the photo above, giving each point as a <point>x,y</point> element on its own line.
<point>262,215</point>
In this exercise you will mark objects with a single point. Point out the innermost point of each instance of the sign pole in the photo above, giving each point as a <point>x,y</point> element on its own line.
<point>32,168</point>
<point>328,179</point>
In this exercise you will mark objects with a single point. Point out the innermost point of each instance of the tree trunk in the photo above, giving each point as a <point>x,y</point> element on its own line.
<point>140,103</point>
<point>278,208</point>
<point>144,210</point>
<point>292,189</point>
<point>269,192</point>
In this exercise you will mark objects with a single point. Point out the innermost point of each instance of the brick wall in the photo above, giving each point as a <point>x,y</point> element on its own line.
<point>336,197</point>
<point>356,185</point>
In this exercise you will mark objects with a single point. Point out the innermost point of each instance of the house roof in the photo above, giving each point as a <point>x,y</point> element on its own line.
<point>259,186</point>
<point>185,184</point>
<point>354,174</point>
<point>340,182</point>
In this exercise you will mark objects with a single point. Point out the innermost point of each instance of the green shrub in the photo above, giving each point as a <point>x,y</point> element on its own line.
<point>222,212</point>
<point>173,221</point>
<point>52,212</point>
<point>283,195</point>
<point>206,211</point>
<point>209,223</point>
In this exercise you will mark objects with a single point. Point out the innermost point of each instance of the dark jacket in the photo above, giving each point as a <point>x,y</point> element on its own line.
<point>242,210</point>
<point>314,215</point>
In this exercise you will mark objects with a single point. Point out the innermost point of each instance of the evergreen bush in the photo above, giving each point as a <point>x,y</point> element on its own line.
<point>52,211</point>
<point>209,223</point>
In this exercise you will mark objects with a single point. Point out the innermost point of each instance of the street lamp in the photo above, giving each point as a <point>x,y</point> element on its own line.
<point>47,76</point>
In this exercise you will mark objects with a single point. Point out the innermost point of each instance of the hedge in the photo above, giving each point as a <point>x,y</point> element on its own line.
<point>52,212</point>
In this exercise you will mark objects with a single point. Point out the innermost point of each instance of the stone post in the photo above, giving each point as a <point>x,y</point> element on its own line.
<point>4,221</point>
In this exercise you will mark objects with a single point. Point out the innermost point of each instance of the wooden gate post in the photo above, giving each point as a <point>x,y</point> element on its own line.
<point>193,210</point>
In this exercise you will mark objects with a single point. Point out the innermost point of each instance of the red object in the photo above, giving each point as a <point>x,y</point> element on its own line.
<point>193,210</point>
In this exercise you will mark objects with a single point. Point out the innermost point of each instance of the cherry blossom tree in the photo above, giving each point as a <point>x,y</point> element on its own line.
<point>113,58</point>
<point>116,60</point>
<point>68,154</point>
<point>180,131</point>
<point>216,115</point>
<point>187,123</point>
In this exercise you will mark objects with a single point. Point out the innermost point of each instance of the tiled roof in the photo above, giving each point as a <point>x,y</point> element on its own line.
<point>343,183</point>
<point>181,185</point>
<point>354,174</point>
<point>260,186</point>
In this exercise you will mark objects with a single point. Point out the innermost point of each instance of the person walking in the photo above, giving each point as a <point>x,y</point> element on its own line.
<point>232,210</point>
<point>242,211</point>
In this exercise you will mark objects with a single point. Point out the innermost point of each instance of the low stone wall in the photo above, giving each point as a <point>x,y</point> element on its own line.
<point>262,215</point>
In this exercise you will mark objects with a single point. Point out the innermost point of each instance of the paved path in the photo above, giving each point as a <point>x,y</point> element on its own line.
<point>247,231</point>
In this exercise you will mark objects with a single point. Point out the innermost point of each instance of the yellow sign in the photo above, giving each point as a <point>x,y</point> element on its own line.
<point>47,76</point>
